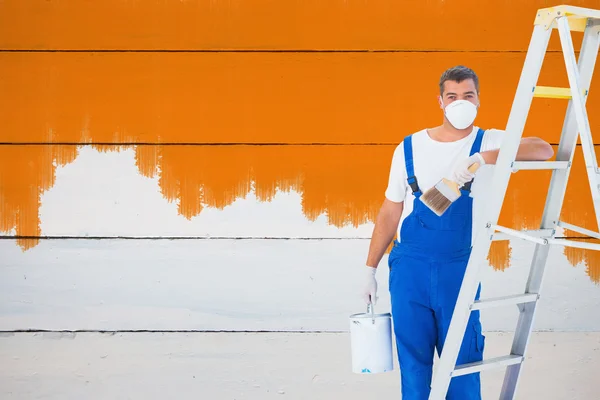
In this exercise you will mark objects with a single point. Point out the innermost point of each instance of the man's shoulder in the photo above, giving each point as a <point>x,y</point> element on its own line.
<point>418,135</point>
<point>494,131</point>
<point>493,139</point>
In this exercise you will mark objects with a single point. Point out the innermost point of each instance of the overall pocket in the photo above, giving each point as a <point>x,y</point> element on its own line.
<point>447,222</point>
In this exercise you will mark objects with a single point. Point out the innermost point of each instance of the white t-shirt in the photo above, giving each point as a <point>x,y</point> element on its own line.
<point>432,161</point>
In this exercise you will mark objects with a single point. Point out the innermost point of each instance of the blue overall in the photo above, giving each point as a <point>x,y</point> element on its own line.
<point>427,266</point>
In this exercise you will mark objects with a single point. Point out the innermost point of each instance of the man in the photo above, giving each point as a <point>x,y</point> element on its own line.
<point>430,254</point>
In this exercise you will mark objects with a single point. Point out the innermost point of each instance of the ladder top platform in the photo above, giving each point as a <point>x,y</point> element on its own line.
<point>578,17</point>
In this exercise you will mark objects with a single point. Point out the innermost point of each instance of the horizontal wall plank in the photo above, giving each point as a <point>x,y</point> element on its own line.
<point>278,192</point>
<point>560,365</point>
<point>239,285</point>
<point>255,98</point>
<point>268,24</point>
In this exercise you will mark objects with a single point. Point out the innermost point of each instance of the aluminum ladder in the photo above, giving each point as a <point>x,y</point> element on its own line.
<point>565,19</point>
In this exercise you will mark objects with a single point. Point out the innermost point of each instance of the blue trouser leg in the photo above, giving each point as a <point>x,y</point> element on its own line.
<point>447,277</point>
<point>414,325</point>
<point>423,295</point>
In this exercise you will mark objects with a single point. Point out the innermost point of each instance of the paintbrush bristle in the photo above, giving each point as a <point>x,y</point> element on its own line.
<point>436,201</point>
<point>441,196</point>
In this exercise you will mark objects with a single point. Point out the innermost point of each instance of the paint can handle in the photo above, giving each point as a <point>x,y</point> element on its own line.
<point>371,310</point>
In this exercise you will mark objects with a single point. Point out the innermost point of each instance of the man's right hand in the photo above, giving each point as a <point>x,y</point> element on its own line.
<point>370,285</point>
<point>461,174</point>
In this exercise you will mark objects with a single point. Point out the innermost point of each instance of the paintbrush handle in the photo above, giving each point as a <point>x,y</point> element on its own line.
<point>454,186</point>
<point>474,167</point>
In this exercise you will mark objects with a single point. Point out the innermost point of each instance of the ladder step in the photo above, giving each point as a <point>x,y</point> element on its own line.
<point>550,92</point>
<point>538,236</point>
<point>575,244</point>
<point>539,165</point>
<point>490,363</point>
<point>505,301</point>
<point>579,229</point>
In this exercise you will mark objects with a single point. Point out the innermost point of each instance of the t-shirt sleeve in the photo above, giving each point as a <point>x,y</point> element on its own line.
<point>397,185</point>
<point>493,139</point>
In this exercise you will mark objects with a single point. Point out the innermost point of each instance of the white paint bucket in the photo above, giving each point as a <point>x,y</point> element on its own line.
<point>371,342</point>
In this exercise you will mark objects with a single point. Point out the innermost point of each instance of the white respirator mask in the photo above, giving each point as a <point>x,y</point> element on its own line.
<point>461,113</point>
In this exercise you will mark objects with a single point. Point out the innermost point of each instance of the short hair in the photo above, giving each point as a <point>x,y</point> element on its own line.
<point>458,74</point>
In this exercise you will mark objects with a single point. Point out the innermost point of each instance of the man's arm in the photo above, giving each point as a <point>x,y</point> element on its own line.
<point>383,233</point>
<point>386,223</point>
<point>384,230</point>
<point>530,149</point>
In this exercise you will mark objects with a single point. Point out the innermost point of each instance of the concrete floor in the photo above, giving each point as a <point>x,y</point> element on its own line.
<point>312,366</point>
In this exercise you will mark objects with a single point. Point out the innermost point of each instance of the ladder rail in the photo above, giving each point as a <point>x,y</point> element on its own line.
<point>585,134</point>
<point>506,156</point>
<point>582,71</point>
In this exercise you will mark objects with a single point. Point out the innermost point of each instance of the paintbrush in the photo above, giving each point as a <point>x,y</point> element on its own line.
<point>443,194</point>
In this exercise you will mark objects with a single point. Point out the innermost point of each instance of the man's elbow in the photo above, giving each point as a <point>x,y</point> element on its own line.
<point>538,149</point>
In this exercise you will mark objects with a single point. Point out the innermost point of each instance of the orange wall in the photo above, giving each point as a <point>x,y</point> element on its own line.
<point>363,102</point>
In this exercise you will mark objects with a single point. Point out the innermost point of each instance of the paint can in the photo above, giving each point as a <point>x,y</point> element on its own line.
<point>371,342</point>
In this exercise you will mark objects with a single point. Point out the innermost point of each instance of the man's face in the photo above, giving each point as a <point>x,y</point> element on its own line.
<point>464,90</point>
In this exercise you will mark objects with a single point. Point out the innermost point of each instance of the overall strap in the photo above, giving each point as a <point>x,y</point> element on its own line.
<point>410,171</point>
<point>477,143</point>
<point>475,148</point>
